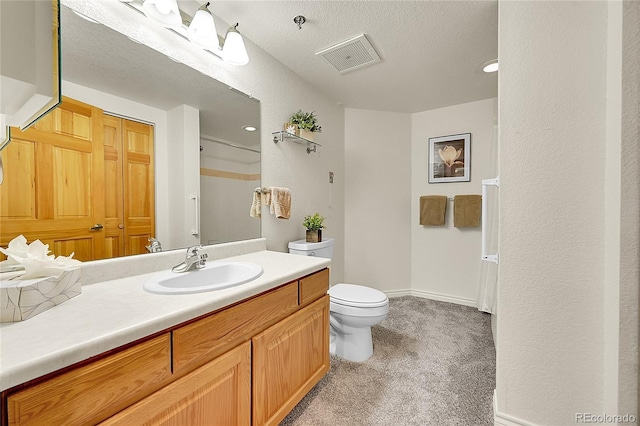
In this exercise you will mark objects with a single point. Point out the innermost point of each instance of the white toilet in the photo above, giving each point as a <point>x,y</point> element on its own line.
<point>354,309</point>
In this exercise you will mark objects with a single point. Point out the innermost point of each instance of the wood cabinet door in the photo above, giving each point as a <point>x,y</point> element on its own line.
<point>53,188</point>
<point>218,393</point>
<point>289,358</point>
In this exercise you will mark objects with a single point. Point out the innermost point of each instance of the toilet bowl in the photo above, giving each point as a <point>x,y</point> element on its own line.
<point>353,310</point>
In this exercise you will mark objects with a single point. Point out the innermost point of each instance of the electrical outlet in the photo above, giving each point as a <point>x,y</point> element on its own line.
<point>330,177</point>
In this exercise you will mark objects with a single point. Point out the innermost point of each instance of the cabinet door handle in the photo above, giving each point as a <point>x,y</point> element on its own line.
<point>96,227</point>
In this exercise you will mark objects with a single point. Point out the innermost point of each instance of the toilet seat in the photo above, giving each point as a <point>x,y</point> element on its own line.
<point>357,296</point>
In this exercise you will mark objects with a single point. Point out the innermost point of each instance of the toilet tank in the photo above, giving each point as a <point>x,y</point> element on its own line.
<point>321,249</point>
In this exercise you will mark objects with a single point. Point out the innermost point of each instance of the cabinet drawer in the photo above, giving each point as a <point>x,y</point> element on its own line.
<point>201,341</point>
<point>314,286</point>
<point>95,391</point>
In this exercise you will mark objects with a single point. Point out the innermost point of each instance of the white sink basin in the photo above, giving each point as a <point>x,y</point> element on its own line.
<point>214,276</point>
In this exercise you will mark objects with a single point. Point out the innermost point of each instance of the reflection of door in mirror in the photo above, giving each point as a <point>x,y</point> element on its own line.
<point>69,173</point>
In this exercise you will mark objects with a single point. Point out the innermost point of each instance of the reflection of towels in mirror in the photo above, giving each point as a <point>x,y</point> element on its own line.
<point>256,205</point>
<point>280,202</point>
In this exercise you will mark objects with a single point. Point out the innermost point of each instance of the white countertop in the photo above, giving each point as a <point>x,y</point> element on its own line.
<point>113,313</point>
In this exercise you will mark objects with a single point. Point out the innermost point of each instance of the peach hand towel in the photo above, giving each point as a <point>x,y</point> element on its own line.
<point>467,210</point>
<point>433,209</point>
<point>280,202</point>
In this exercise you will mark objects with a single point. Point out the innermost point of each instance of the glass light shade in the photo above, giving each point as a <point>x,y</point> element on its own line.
<point>202,30</point>
<point>164,12</point>
<point>234,50</point>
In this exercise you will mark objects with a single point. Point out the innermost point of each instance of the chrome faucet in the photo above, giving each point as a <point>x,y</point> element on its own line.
<point>194,260</point>
<point>154,247</point>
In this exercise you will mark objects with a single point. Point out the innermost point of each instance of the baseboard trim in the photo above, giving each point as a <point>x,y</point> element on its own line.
<point>398,293</point>
<point>502,419</point>
<point>431,295</point>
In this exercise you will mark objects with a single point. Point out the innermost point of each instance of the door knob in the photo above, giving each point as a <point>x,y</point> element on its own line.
<point>96,227</point>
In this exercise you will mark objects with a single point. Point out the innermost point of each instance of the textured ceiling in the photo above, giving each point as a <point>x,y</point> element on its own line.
<point>432,51</point>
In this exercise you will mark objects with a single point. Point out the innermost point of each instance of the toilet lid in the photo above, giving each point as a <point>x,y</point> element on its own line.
<point>357,295</point>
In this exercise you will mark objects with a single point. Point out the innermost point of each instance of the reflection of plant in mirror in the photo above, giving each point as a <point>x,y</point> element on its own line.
<point>306,120</point>
<point>313,223</point>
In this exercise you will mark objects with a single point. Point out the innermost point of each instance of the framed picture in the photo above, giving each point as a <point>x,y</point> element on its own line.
<point>450,158</point>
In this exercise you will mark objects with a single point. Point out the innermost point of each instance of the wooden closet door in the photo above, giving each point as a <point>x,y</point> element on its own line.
<point>54,182</point>
<point>139,186</point>
<point>113,188</point>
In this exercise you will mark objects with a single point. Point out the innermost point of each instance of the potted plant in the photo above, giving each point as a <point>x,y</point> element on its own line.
<point>314,227</point>
<point>305,122</point>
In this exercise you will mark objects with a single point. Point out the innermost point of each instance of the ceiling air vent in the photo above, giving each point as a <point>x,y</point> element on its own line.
<point>350,54</point>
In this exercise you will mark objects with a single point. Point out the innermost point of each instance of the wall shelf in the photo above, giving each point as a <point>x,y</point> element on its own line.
<point>283,135</point>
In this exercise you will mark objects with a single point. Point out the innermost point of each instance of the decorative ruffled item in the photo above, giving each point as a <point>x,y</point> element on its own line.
<point>35,259</point>
<point>46,282</point>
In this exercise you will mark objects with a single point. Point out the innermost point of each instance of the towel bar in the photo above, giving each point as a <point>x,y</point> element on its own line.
<point>448,198</point>
<point>484,255</point>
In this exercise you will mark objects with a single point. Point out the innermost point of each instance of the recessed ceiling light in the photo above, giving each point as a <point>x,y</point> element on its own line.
<point>249,128</point>
<point>490,66</point>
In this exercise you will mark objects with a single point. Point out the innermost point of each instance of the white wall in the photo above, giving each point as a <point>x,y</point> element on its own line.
<point>446,260</point>
<point>627,387</point>
<point>281,93</point>
<point>184,175</point>
<point>386,163</point>
<point>225,200</point>
<point>552,91</point>
<point>378,182</point>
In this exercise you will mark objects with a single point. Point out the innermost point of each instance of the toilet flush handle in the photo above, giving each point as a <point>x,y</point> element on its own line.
<point>313,253</point>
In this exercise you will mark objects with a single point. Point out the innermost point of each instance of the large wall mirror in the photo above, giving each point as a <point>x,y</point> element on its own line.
<point>129,81</point>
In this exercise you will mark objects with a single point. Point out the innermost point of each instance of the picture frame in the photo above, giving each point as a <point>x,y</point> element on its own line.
<point>450,158</point>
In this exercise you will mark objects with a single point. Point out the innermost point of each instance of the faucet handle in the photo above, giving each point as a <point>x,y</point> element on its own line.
<point>194,249</point>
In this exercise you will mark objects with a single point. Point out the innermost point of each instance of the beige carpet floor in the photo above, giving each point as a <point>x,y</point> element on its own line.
<point>433,364</point>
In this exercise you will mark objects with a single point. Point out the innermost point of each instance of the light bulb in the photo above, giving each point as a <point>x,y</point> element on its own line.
<point>234,50</point>
<point>202,30</point>
<point>163,7</point>
<point>164,12</point>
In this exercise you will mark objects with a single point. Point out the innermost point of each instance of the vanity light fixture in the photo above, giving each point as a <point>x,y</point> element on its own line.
<point>233,50</point>
<point>164,12</point>
<point>490,66</point>
<point>202,30</point>
<point>249,128</point>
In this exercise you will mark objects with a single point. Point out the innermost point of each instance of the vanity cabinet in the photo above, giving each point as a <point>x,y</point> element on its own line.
<point>96,390</point>
<point>248,363</point>
<point>218,393</point>
<point>289,358</point>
